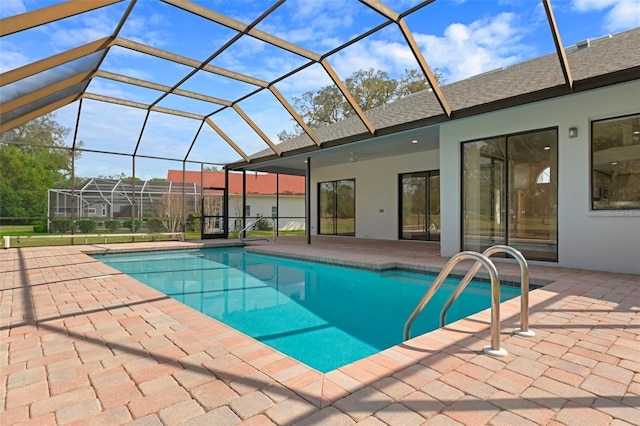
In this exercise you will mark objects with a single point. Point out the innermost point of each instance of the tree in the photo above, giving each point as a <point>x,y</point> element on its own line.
<point>414,81</point>
<point>169,208</point>
<point>115,176</point>
<point>121,176</point>
<point>370,88</point>
<point>33,161</point>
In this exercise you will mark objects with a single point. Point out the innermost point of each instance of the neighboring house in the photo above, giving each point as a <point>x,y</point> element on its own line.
<point>104,199</point>
<point>532,156</point>
<point>261,200</point>
<point>113,199</point>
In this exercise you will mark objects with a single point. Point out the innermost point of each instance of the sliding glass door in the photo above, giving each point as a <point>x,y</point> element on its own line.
<point>510,193</point>
<point>337,207</point>
<point>420,206</point>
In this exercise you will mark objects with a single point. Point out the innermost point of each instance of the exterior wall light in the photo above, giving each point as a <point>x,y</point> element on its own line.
<point>573,132</point>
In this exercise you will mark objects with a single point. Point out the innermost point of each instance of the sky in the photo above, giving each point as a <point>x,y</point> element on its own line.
<point>459,38</point>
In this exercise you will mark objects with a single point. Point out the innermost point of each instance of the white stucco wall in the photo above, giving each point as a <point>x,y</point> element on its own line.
<point>598,240</point>
<point>376,189</point>
<point>291,209</point>
<point>606,241</point>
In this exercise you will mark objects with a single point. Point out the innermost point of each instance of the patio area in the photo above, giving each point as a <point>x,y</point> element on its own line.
<point>85,344</point>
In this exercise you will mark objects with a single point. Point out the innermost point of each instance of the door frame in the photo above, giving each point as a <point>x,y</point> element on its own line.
<point>427,174</point>
<point>508,196</point>
<point>224,217</point>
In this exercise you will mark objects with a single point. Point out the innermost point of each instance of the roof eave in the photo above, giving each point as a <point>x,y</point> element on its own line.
<point>590,83</point>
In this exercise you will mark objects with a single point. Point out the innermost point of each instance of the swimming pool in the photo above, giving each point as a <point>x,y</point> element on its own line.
<point>325,316</point>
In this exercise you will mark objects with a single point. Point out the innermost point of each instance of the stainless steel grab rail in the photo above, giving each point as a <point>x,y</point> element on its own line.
<point>494,349</point>
<point>242,231</point>
<point>524,284</point>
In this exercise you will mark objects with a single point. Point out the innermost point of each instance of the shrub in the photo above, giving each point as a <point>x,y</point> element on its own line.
<point>133,224</point>
<point>87,225</point>
<point>193,221</point>
<point>264,225</point>
<point>112,225</point>
<point>155,225</point>
<point>40,226</point>
<point>60,226</point>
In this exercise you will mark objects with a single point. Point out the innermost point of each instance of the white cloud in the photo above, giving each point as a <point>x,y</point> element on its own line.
<point>511,2</point>
<point>151,30</point>
<point>317,25</point>
<point>12,59</point>
<point>588,5</point>
<point>81,29</point>
<point>392,57</point>
<point>311,78</point>
<point>462,51</point>
<point>243,55</point>
<point>467,50</point>
<point>621,14</point>
<point>11,7</point>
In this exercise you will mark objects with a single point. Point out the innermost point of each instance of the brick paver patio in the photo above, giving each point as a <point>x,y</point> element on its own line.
<point>84,344</point>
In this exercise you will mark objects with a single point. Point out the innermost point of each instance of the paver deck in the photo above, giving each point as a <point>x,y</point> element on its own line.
<point>82,343</point>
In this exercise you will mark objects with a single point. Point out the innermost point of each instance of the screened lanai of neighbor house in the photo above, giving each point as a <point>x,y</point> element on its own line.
<point>536,146</point>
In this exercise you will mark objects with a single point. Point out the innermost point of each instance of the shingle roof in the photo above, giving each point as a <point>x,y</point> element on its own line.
<point>600,58</point>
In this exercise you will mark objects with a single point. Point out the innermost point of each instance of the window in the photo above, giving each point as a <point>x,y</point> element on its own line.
<point>247,211</point>
<point>274,212</point>
<point>510,193</point>
<point>337,207</point>
<point>544,176</point>
<point>103,210</point>
<point>89,210</point>
<point>615,163</point>
<point>420,206</point>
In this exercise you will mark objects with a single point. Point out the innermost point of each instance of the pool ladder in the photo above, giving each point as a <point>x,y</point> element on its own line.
<point>252,223</point>
<point>481,260</point>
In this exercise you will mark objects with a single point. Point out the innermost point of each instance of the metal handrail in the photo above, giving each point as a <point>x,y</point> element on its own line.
<point>524,284</point>
<point>494,349</point>
<point>241,233</point>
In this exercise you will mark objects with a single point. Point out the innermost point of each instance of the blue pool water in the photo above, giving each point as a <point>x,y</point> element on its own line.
<point>325,316</point>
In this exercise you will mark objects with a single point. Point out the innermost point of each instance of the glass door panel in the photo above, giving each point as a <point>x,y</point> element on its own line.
<point>483,200</point>
<point>326,208</point>
<point>346,207</point>
<point>434,206</point>
<point>420,206</point>
<point>510,194</point>
<point>414,211</point>
<point>533,190</point>
<point>337,207</point>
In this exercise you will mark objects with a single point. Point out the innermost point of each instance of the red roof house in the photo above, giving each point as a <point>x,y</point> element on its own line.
<point>257,184</point>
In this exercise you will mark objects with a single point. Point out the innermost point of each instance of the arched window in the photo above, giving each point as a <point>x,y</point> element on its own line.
<point>544,176</point>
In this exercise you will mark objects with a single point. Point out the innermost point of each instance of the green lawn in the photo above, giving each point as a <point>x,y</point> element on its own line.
<point>253,234</point>
<point>78,239</point>
<point>15,229</point>
<point>20,237</point>
<point>343,225</point>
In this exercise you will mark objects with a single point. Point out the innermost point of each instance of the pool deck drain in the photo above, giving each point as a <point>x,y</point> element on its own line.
<point>84,344</point>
